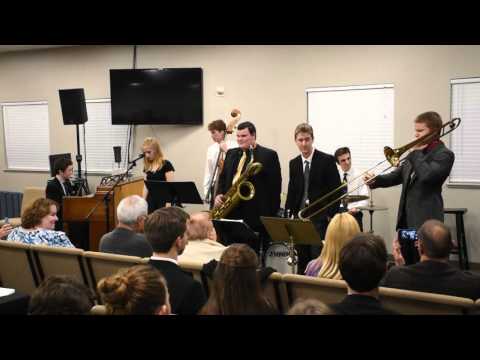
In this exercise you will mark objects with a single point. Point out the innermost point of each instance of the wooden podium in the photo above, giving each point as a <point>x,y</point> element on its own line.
<point>76,209</point>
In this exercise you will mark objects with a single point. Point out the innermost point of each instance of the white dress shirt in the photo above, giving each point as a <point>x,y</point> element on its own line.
<point>212,155</point>
<point>363,190</point>
<point>309,159</point>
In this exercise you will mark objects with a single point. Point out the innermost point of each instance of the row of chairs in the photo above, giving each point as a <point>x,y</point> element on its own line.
<point>24,267</point>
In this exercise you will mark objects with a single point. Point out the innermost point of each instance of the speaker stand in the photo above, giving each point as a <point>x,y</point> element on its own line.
<point>82,183</point>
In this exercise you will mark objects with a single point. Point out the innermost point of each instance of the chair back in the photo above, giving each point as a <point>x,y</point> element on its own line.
<point>327,291</point>
<point>420,303</point>
<point>17,268</point>
<point>30,194</point>
<point>276,292</point>
<point>60,261</point>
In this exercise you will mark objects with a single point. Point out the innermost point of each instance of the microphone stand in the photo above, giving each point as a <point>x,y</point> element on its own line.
<point>106,197</point>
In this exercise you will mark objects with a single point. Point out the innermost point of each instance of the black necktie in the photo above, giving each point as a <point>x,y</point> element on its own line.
<point>345,188</point>
<point>306,179</point>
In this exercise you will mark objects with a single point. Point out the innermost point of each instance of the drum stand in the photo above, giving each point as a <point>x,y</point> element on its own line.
<point>292,259</point>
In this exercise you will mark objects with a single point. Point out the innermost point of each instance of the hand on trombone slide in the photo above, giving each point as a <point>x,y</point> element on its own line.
<point>368,178</point>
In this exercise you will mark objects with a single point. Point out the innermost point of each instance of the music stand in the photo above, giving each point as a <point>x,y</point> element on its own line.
<point>234,231</point>
<point>291,231</point>
<point>176,193</point>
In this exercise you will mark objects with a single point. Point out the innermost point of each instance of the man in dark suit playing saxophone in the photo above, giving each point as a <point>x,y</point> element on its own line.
<point>267,182</point>
<point>313,174</point>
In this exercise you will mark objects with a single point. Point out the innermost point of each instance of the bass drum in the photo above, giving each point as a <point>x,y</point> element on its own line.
<point>277,256</point>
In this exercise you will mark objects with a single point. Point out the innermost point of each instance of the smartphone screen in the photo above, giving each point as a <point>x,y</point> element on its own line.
<point>407,239</point>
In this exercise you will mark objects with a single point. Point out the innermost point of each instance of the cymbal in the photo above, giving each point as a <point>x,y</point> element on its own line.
<point>354,198</point>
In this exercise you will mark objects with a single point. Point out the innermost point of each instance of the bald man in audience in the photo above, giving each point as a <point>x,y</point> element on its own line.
<point>433,273</point>
<point>202,240</point>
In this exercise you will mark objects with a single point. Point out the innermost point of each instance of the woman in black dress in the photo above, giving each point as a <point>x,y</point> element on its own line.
<point>156,168</point>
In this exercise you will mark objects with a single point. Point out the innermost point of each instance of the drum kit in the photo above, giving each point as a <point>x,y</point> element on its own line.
<point>279,255</point>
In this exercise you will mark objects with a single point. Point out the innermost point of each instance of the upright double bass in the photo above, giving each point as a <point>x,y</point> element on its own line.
<point>213,183</point>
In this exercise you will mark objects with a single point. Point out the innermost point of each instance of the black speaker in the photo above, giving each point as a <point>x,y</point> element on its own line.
<point>74,108</point>
<point>117,152</point>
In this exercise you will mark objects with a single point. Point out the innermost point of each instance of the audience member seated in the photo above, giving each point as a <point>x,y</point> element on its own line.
<point>5,230</point>
<point>61,295</point>
<point>127,238</point>
<point>341,229</point>
<point>202,240</point>
<point>363,263</point>
<point>310,307</point>
<point>433,273</point>
<point>165,230</point>
<point>138,290</point>
<point>236,286</point>
<point>38,224</point>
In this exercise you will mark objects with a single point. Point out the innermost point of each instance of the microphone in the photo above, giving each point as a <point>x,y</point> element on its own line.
<point>140,156</point>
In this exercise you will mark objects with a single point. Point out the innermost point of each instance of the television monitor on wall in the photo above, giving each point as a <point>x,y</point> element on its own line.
<point>157,96</point>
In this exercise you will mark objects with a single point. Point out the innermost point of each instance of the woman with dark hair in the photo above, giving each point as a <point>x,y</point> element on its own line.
<point>38,224</point>
<point>139,290</point>
<point>236,286</point>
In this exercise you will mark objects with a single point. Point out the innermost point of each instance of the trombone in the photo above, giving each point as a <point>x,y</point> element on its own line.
<point>393,156</point>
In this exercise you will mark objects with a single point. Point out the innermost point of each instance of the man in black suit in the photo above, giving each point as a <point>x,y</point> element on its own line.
<point>422,175</point>
<point>267,183</point>
<point>60,186</point>
<point>433,273</point>
<point>165,229</point>
<point>363,263</point>
<point>322,178</point>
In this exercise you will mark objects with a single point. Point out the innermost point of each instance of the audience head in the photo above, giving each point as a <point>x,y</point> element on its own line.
<point>434,240</point>
<point>310,307</point>
<point>363,262</point>
<point>341,229</point>
<point>246,135</point>
<point>343,158</point>
<point>304,138</point>
<point>41,214</point>
<point>61,295</point>
<point>200,227</point>
<point>165,229</point>
<point>236,287</point>
<point>138,290</point>
<point>132,211</point>
<point>217,129</point>
<point>153,154</point>
<point>63,167</point>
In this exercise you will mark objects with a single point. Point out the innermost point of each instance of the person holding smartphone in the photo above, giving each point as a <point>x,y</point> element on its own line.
<point>433,273</point>
<point>5,229</point>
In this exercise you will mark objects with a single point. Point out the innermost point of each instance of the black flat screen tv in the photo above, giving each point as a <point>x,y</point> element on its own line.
<point>157,96</point>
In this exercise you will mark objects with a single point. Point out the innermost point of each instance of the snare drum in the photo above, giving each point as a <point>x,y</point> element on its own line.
<point>277,256</point>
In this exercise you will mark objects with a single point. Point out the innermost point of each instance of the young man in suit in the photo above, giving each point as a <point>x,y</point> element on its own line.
<point>433,273</point>
<point>422,175</point>
<point>165,230</point>
<point>60,186</point>
<point>267,183</point>
<point>363,263</point>
<point>313,174</point>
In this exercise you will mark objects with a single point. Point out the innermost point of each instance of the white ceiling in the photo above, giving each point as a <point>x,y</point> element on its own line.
<point>9,48</point>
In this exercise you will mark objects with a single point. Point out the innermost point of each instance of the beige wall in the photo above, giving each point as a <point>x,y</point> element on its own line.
<point>267,83</point>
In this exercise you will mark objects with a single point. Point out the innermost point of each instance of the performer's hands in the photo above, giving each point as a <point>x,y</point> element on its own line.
<point>5,230</point>
<point>368,178</point>
<point>219,199</point>
<point>353,211</point>
<point>397,254</point>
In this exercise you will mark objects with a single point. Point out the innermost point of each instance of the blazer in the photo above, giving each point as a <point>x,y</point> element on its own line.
<point>267,183</point>
<point>186,294</point>
<point>360,305</point>
<point>324,177</point>
<point>55,192</point>
<point>434,277</point>
<point>422,176</point>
